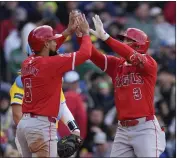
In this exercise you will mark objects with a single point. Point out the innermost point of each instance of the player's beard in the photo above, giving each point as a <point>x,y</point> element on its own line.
<point>52,53</point>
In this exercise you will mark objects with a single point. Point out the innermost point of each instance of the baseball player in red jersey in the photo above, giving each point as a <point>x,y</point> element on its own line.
<point>42,79</point>
<point>134,77</point>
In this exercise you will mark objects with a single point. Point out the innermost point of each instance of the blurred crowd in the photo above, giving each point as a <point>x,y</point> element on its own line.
<point>89,91</point>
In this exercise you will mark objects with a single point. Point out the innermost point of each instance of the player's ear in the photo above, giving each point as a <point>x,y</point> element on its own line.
<point>46,44</point>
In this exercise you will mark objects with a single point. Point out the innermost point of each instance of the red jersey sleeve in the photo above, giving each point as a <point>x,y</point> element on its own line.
<point>120,48</point>
<point>106,63</point>
<point>145,63</point>
<point>64,62</point>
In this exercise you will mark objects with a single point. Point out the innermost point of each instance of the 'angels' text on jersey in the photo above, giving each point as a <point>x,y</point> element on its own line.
<point>125,80</point>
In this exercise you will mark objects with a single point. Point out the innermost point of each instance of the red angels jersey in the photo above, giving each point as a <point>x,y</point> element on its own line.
<point>133,85</point>
<point>42,79</point>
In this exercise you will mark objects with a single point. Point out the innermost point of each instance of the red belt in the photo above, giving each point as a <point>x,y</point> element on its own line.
<point>128,123</point>
<point>51,119</point>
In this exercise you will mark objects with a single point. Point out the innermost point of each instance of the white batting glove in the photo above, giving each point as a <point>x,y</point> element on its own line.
<point>99,30</point>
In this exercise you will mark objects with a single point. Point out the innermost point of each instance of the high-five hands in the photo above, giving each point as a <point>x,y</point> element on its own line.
<point>82,25</point>
<point>72,25</point>
<point>99,31</point>
<point>72,22</point>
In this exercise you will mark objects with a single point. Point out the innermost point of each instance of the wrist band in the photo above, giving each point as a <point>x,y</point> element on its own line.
<point>72,125</point>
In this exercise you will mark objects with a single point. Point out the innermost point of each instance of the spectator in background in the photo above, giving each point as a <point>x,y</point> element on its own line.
<point>95,78</point>
<point>166,82</point>
<point>166,57</point>
<point>3,144</point>
<point>8,22</point>
<point>170,12</point>
<point>101,92</point>
<point>7,124</point>
<point>114,28</point>
<point>141,20</point>
<point>163,28</point>
<point>6,9</point>
<point>15,35</point>
<point>13,52</point>
<point>171,142</point>
<point>97,7</point>
<point>95,124</point>
<point>64,10</point>
<point>5,86</point>
<point>43,14</point>
<point>49,14</point>
<point>71,5</point>
<point>103,97</point>
<point>34,20</point>
<point>101,147</point>
<point>72,83</point>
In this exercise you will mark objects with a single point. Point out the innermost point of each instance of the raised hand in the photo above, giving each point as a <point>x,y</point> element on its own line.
<point>99,31</point>
<point>72,23</point>
<point>83,26</point>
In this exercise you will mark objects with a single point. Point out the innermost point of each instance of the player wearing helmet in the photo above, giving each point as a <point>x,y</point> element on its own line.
<point>16,95</point>
<point>134,76</point>
<point>136,39</point>
<point>42,79</point>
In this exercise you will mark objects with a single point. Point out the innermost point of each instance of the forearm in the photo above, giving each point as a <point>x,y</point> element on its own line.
<point>120,48</point>
<point>96,57</point>
<point>17,118</point>
<point>84,52</point>
<point>17,113</point>
<point>67,118</point>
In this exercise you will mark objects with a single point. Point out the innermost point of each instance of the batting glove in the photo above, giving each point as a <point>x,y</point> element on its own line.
<point>99,30</point>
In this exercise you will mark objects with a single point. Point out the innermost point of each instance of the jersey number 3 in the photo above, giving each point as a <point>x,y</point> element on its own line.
<point>137,93</point>
<point>28,91</point>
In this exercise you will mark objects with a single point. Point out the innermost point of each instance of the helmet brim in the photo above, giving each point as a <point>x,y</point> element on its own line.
<point>56,36</point>
<point>122,37</point>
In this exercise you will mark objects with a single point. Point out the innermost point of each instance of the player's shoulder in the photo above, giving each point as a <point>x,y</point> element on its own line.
<point>18,82</point>
<point>150,59</point>
<point>32,58</point>
<point>42,61</point>
<point>16,86</point>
